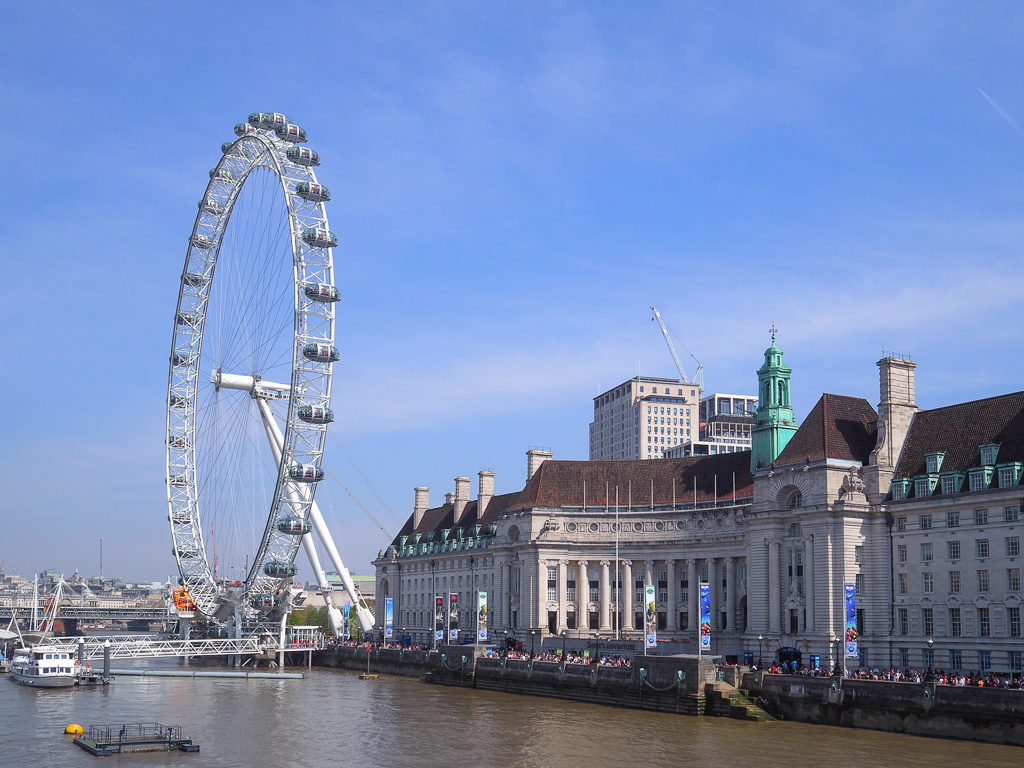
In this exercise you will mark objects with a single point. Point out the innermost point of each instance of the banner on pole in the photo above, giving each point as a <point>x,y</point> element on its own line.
<point>705,617</point>
<point>453,617</point>
<point>438,617</point>
<point>650,618</point>
<point>389,618</point>
<point>344,620</point>
<point>851,619</point>
<point>481,616</point>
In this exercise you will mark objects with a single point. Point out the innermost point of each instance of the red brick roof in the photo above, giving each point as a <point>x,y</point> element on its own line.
<point>838,427</point>
<point>560,483</point>
<point>959,430</point>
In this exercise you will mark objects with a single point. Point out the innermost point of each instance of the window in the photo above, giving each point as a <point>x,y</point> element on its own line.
<point>921,489</point>
<point>926,552</point>
<point>901,523</point>
<point>552,583</point>
<point>984,623</point>
<point>1011,514</point>
<point>977,481</point>
<point>1012,546</point>
<point>927,582</point>
<point>956,659</point>
<point>981,517</point>
<point>796,500</point>
<point>988,453</point>
<point>952,519</point>
<point>932,461</point>
<point>901,553</point>
<point>1015,660</point>
<point>902,583</point>
<point>985,660</point>
<point>1013,621</point>
<point>953,550</point>
<point>981,548</point>
<point>858,554</point>
<point>1013,579</point>
<point>926,522</point>
<point>928,621</point>
<point>954,582</point>
<point>904,657</point>
<point>955,622</point>
<point>1006,477</point>
<point>903,619</point>
<point>858,584</point>
<point>983,580</point>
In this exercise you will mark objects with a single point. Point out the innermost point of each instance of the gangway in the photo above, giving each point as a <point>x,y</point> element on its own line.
<point>148,648</point>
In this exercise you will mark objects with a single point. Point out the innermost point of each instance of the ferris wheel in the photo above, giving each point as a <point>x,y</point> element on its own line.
<point>249,385</point>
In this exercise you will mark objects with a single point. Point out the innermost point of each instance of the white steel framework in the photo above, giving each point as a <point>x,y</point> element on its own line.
<point>256,301</point>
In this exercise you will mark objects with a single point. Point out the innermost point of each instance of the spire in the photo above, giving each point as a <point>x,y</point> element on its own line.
<point>775,423</point>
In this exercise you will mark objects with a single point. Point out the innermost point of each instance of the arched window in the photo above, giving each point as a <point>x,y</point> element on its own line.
<point>796,500</point>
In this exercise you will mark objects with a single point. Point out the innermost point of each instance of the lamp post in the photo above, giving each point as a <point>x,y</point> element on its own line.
<point>504,653</point>
<point>403,637</point>
<point>565,634</point>
<point>533,635</point>
<point>597,647</point>
<point>838,643</point>
<point>931,659</point>
<point>760,660</point>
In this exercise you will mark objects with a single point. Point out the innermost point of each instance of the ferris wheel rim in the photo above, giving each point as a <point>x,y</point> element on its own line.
<point>310,381</point>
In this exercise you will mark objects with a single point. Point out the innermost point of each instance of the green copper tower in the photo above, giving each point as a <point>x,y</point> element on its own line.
<point>775,424</point>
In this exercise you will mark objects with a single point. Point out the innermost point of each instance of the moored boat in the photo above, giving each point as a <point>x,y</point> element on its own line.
<point>43,666</point>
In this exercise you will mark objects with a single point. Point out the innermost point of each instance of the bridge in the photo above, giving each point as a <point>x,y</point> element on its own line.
<point>86,613</point>
<point>142,647</point>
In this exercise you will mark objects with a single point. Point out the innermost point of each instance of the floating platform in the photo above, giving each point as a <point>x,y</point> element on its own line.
<point>369,676</point>
<point>138,671</point>
<point>134,737</point>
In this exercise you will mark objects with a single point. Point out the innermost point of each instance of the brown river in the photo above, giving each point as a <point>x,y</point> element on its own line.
<point>331,718</point>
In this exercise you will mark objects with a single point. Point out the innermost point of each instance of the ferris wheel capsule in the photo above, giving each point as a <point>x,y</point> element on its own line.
<point>195,280</point>
<point>321,292</point>
<point>318,237</point>
<point>226,147</point>
<point>222,174</point>
<point>242,129</point>
<point>178,401</point>
<point>316,414</point>
<point>321,353</point>
<point>201,241</point>
<point>268,120</point>
<point>290,132</point>
<point>302,156</point>
<point>212,205</point>
<point>305,473</point>
<point>294,526</point>
<point>279,570</point>
<point>178,359</point>
<point>178,481</point>
<point>315,193</point>
<point>178,441</point>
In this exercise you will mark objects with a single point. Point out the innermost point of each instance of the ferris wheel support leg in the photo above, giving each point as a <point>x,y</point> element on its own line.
<point>276,440</point>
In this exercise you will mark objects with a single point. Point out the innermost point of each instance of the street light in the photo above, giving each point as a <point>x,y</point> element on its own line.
<point>931,658</point>
<point>760,661</point>
<point>504,654</point>
<point>597,647</point>
<point>838,642</point>
<point>565,634</point>
<point>533,635</point>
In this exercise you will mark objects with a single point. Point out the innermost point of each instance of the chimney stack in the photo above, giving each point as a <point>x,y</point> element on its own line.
<point>486,492</point>
<point>534,458</point>
<point>449,498</point>
<point>461,497</point>
<point>421,505</point>
<point>896,407</point>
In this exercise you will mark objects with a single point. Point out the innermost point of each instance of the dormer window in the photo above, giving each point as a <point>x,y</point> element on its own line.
<point>933,461</point>
<point>989,451</point>
<point>900,488</point>
<point>1009,474</point>
<point>923,486</point>
<point>980,477</point>
<point>951,482</point>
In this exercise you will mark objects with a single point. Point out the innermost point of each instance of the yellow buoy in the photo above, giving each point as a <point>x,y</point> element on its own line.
<point>74,730</point>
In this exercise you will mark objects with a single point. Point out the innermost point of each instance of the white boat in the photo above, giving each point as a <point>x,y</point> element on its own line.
<point>44,666</point>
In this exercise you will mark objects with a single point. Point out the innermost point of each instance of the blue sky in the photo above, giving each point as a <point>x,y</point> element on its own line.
<point>514,185</point>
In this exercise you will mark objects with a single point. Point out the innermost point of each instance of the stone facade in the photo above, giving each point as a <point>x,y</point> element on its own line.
<point>893,502</point>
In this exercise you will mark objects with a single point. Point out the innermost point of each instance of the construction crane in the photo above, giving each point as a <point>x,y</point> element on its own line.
<point>698,376</point>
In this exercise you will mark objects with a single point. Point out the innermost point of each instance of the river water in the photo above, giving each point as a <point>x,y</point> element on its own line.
<point>331,718</point>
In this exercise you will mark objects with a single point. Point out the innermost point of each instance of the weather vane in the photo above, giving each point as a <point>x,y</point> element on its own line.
<point>773,330</point>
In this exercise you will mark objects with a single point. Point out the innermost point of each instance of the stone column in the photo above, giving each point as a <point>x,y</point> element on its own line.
<point>774,622</point>
<point>605,595</point>
<point>730,594</point>
<point>671,605</point>
<point>582,596</point>
<point>561,594</point>
<point>648,574</point>
<point>809,582</point>
<point>505,599</point>
<point>693,594</point>
<point>627,594</point>
<point>542,597</point>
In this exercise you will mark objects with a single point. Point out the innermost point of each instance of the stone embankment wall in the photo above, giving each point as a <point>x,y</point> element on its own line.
<point>661,683</point>
<point>924,709</point>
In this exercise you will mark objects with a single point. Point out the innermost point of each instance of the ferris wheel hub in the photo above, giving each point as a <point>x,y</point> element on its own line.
<point>254,385</point>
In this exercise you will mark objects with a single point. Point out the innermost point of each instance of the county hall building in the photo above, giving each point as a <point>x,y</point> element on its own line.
<point>918,510</point>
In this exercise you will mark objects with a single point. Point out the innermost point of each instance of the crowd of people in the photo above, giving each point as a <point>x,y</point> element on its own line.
<point>571,657</point>
<point>894,675</point>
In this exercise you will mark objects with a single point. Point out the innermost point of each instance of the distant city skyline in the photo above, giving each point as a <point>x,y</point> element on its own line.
<point>513,187</point>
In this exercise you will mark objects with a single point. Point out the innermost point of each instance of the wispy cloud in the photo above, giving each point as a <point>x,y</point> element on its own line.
<point>1002,113</point>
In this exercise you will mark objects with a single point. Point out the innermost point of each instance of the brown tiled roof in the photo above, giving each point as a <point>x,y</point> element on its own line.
<point>838,427</point>
<point>959,430</point>
<point>560,483</point>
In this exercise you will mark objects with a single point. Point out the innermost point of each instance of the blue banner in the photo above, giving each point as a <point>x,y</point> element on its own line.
<point>481,616</point>
<point>650,618</point>
<point>705,617</point>
<point>389,618</point>
<point>344,620</point>
<point>453,617</point>
<point>851,619</point>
